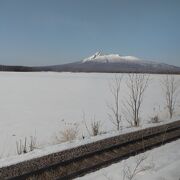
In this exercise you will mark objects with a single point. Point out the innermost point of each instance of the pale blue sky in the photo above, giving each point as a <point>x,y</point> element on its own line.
<point>45,32</point>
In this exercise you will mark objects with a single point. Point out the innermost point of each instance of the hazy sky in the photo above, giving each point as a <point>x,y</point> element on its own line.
<point>44,32</point>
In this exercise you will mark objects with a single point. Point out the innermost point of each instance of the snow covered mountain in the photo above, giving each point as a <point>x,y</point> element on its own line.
<point>117,63</point>
<point>111,63</point>
<point>112,58</point>
<point>116,58</point>
<point>114,63</point>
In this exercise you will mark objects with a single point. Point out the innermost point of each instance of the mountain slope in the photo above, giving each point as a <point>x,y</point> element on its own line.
<point>115,63</point>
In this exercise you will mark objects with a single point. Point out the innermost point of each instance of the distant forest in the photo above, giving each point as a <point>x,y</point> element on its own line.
<point>89,69</point>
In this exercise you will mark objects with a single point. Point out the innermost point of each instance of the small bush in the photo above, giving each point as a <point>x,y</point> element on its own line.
<point>141,164</point>
<point>155,119</point>
<point>95,127</point>
<point>68,134</point>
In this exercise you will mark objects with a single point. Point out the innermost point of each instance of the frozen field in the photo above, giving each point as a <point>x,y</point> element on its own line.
<point>42,104</point>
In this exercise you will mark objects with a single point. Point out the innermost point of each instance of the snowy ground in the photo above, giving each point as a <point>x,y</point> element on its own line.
<point>162,163</point>
<point>42,104</point>
<point>39,152</point>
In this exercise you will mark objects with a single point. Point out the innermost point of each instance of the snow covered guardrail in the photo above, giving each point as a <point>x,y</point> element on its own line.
<point>37,166</point>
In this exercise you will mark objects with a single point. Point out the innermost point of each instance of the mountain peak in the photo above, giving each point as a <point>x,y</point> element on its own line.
<point>104,58</point>
<point>94,56</point>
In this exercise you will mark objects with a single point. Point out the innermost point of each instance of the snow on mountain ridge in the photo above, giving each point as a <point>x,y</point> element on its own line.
<point>115,61</point>
<point>99,57</point>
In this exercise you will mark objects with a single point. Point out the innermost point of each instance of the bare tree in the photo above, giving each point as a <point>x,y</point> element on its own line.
<point>170,88</point>
<point>115,115</point>
<point>137,85</point>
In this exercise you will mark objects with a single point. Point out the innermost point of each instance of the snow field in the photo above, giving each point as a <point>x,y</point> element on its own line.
<point>44,103</point>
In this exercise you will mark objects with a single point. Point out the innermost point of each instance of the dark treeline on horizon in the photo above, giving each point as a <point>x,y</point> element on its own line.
<point>71,68</point>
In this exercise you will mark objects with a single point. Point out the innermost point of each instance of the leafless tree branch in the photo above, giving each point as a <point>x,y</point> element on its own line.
<point>115,115</point>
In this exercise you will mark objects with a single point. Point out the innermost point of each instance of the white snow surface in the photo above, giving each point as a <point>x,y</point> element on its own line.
<point>42,104</point>
<point>164,163</point>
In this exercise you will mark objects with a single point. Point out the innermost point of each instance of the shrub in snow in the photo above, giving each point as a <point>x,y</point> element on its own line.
<point>69,134</point>
<point>141,164</point>
<point>95,128</point>
<point>155,119</point>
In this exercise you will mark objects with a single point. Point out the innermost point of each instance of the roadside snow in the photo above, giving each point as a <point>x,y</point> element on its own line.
<point>164,162</point>
<point>4,162</point>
